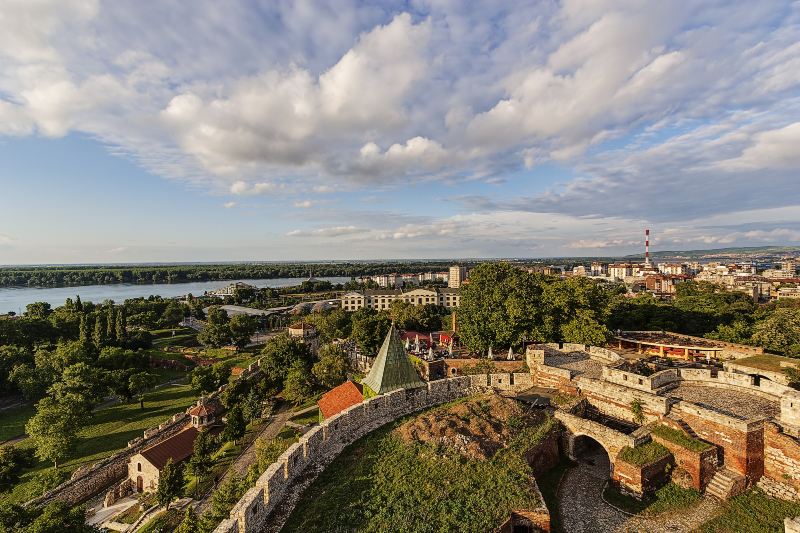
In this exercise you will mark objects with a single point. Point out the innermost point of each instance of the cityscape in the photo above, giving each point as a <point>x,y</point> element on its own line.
<point>399,266</point>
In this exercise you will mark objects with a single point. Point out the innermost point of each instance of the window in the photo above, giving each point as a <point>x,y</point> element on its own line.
<point>138,467</point>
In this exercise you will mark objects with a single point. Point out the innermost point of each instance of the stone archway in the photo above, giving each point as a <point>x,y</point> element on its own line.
<point>588,450</point>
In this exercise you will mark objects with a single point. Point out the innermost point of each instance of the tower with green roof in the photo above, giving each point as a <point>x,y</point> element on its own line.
<point>392,368</point>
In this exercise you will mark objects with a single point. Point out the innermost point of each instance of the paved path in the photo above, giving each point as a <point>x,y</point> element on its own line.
<point>248,457</point>
<point>582,509</point>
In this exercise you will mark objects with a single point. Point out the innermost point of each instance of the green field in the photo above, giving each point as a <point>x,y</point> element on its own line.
<point>379,483</point>
<point>12,421</point>
<point>109,430</point>
<point>752,512</point>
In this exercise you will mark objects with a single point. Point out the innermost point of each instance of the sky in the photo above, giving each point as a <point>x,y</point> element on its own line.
<point>294,130</point>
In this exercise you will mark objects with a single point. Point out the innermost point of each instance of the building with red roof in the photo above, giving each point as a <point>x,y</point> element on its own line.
<point>340,398</point>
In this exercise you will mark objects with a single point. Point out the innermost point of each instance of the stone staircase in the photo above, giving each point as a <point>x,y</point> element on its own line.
<point>725,484</point>
<point>683,425</point>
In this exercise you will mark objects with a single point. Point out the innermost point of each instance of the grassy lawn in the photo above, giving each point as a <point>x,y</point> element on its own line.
<point>163,522</point>
<point>668,498</point>
<point>109,430</point>
<point>379,483</point>
<point>767,362</point>
<point>307,418</point>
<point>752,512</point>
<point>12,421</point>
<point>184,337</point>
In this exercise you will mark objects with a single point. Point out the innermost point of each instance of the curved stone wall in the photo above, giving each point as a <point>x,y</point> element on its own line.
<point>316,449</point>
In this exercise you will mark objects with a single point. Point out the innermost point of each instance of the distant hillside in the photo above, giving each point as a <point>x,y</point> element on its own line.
<point>742,251</point>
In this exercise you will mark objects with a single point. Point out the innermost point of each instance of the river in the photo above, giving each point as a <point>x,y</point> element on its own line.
<point>16,298</point>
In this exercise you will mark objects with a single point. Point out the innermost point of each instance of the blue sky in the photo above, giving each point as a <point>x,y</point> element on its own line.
<point>310,130</point>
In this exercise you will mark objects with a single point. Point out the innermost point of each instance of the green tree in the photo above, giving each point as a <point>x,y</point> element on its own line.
<point>139,383</point>
<point>78,304</point>
<point>369,329</point>
<point>331,369</point>
<point>83,335</point>
<point>298,385</point>
<point>280,353</point>
<point>30,381</point>
<point>111,330</point>
<point>80,383</point>
<point>201,461</point>
<point>54,429</point>
<point>224,498</point>
<point>242,327</point>
<point>235,425</point>
<point>12,460</point>
<point>170,483</point>
<point>190,522</point>
<point>217,316</point>
<point>120,325</point>
<point>99,336</point>
<point>215,335</point>
<point>584,329</point>
<point>39,310</point>
<point>780,331</point>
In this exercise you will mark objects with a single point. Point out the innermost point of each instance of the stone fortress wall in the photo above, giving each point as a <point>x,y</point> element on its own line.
<point>86,483</point>
<point>761,448</point>
<point>757,449</point>
<point>322,444</point>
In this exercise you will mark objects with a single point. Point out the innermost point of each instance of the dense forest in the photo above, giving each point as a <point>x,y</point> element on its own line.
<point>65,276</point>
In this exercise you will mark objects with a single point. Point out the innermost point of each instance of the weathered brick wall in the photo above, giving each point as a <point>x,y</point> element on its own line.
<point>552,377</point>
<point>317,448</point>
<point>615,400</point>
<point>782,460</point>
<point>604,355</point>
<point>641,480</point>
<point>544,455</point>
<point>742,442</point>
<point>700,466</point>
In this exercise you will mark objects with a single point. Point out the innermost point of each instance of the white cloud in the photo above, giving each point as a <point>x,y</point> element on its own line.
<point>243,188</point>
<point>303,204</point>
<point>229,205</point>
<point>335,231</point>
<point>117,249</point>
<point>772,149</point>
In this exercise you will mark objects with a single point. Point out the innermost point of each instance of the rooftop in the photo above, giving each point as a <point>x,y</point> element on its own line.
<point>178,447</point>
<point>734,404</point>
<point>392,368</point>
<point>340,398</point>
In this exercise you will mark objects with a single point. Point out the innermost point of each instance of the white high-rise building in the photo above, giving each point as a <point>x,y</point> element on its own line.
<point>456,276</point>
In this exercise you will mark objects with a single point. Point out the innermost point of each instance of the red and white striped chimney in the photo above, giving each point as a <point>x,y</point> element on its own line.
<point>647,248</point>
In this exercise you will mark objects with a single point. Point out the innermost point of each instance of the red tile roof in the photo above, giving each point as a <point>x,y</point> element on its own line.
<point>206,408</point>
<point>340,398</point>
<point>178,447</point>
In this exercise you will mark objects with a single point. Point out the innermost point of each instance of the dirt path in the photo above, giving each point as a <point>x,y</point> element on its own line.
<point>248,457</point>
<point>583,510</point>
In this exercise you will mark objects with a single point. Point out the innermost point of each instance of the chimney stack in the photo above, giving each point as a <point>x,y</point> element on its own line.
<point>453,318</point>
<point>647,248</point>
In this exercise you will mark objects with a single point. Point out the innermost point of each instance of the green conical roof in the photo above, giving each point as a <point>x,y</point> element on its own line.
<point>392,368</point>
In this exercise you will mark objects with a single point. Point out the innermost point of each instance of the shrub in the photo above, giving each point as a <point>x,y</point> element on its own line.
<point>644,454</point>
<point>680,438</point>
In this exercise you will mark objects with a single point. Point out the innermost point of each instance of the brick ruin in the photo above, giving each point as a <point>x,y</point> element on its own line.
<point>750,425</point>
<point>751,439</point>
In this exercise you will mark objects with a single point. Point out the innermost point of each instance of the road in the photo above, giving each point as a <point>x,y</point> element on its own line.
<point>248,457</point>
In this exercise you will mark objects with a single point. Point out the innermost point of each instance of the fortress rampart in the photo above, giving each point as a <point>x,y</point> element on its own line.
<point>322,444</point>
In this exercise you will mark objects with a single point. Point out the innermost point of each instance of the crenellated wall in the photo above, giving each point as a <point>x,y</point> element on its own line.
<point>279,484</point>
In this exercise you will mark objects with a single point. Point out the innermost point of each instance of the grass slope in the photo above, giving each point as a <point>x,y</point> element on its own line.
<point>752,512</point>
<point>381,484</point>
<point>109,431</point>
